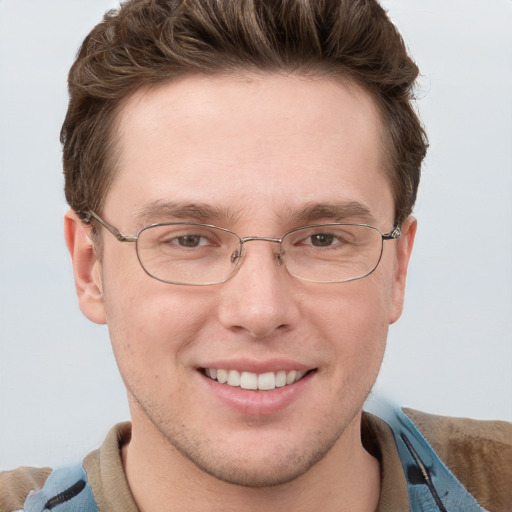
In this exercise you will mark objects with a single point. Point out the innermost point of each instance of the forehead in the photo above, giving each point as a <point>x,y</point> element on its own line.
<point>252,143</point>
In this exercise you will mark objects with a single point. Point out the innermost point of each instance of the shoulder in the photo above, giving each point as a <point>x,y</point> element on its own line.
<point>479,454</point>
<point>15,486</point>
<point>35,490</point>
<point>96,480</point>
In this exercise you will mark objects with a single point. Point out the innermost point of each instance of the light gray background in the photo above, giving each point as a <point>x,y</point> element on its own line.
<point>451,353</point>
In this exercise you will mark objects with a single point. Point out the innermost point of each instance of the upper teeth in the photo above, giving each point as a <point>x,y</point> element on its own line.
<point>249,380</point>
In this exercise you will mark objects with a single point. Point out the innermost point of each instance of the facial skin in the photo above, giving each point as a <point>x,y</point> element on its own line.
<point>255,150</point>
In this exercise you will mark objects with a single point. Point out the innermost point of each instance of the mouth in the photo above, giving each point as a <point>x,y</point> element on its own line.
<point>255,381</point>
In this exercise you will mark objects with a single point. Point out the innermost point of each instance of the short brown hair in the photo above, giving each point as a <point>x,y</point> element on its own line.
<point>146,42</point>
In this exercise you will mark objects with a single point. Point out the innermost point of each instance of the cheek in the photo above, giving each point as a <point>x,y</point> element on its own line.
<point>150,323</point>
<point>354,317</point>
<point>151,335</point>
<point>357,305</point>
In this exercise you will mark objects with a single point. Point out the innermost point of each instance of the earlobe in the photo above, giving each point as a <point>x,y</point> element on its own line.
<point>404,249</point>
<point>86,268</point>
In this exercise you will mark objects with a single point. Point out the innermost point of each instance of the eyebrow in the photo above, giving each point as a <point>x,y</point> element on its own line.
<point>168,211</point>
<point>333,212</point>
<point>163,211</point>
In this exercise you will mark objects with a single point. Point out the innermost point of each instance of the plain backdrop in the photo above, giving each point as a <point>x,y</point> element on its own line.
<point>451,353</point>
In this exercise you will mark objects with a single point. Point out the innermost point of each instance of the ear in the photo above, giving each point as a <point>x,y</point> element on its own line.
<point>86,267</point>
<point>403,254</point>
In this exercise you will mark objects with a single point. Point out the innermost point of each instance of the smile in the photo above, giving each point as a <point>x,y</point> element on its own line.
<point>254,381</point>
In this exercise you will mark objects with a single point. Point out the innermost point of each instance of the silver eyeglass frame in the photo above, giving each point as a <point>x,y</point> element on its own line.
<point>394,234</point>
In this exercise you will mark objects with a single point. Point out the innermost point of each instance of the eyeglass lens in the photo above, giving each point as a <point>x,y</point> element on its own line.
<point>200,255</point>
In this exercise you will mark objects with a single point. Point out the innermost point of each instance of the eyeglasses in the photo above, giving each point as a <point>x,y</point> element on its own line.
<point>187,253</point>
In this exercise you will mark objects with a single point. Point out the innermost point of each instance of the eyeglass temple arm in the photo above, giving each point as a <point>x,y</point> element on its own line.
<point>395,233</point>
<point>112,229</point>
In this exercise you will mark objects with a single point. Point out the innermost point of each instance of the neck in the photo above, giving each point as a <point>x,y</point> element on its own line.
<point>162,479</point>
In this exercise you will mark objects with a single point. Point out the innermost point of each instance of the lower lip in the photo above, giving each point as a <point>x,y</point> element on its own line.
<point>258,403</point>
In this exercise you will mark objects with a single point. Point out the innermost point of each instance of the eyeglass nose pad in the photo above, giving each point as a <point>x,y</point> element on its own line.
<point>235,257</point>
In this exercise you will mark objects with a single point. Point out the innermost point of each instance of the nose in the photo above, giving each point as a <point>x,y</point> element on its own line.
<point>259,299</point>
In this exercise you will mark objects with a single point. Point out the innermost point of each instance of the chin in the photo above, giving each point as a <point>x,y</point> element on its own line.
<point>258,473</point>
<point>254,458</point>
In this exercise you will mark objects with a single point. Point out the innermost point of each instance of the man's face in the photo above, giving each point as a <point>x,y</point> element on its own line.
<point>251,154</point>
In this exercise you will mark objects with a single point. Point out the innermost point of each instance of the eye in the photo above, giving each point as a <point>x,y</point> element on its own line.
<point>324,240</point>
<point>182,240</point>
<point>333,238</point>
<point>190,237</point>
<point>190,241</point>
<point>321,239</point>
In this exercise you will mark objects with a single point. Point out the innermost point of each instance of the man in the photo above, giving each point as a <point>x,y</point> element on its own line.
<point>241,177</point>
